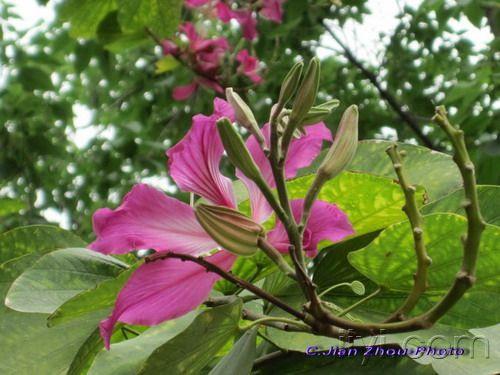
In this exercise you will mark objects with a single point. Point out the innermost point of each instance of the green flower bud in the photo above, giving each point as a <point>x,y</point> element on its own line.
<point>306,94</point>
<point>290,83</point>
<point>232,230</point>
<point>330,105</point>
<point>344,145</point>
<point>243,113</point>
<point>236,150</point>
<point>314,116</point>
<point>319,112</point>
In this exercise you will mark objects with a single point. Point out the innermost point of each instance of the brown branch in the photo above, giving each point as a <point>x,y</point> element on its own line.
<point>210,267</point>
<point>406,116</point>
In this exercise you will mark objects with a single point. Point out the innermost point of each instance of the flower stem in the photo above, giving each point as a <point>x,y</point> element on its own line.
<point>417,227</point>
<point>332,288</point>
<point>361,301</point>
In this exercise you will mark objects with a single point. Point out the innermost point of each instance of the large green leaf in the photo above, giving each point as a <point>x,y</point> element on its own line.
<point>101,298</point>
<point>161,16</point>
<point>389,261</point>
<point>240,358</point>
<point>435,171</point>
<point>59,276</point>
<point>127,357</point>
<point>51,351</point>
<point>193,349</point>
<point>85,15</point>
<point>36,239</point>
<point>371,202</point>
<point>489,202</point>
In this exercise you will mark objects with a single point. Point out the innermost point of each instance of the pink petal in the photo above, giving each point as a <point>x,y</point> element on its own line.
<point>301,154</point>
<point>149,219</point>
<point>163,290</point>
<point>224,12</point>
<point>210,84</point>
<point>249,65</point>
<point>326,222</point>
<point>272,10</point>
<point>190,31</point>
<point>247,22</point>
<point>184,92</point>
<point>194,161</point>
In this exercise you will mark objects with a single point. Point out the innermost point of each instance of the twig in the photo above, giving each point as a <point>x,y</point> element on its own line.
<point>360,302</point>
<point>406,116</point>
<point>210,267</point>
<point>417,227</point>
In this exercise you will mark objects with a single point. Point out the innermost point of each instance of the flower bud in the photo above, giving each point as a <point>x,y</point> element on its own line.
<point>290,83</point>
<point>232,230</point>
<point>243,113</point>
<point>344,145</point>
<point>319,112</point>
<point>236,150</point>
<point>306,95</point>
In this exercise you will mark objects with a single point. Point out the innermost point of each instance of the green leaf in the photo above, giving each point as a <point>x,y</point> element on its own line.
<point>127,357</point>
<point>161,16</point>
<point>240,358</point>
<point>193,349</point>
<point>101,298</point>
<point>85,15</point>
<point>489,203</point>
<point>166,64</point>
<point>433,170</point>
<point>10,206</point>
<point>50,350</point>
<point>371,202</point>
<point>295,363</point>
<point>390,261</point>
<point>35,239</point>
<point>86,354</point>
<point>59,276</point>
<point>32,78</point>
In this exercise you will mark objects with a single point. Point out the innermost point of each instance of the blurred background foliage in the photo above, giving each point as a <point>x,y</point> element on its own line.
<point>85,112</point>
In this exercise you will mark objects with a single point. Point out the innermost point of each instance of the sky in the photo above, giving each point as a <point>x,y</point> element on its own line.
<point>362,38</point>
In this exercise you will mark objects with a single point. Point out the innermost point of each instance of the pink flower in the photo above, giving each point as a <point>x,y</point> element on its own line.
<point>272,10</point>
<point>249,65</point>
<point>245,17</point>
<point>149,219</point>
<point>204,56</point>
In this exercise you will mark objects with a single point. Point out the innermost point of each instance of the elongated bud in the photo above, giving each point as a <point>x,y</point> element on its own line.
<point>306,94</point>
<point>344,145</point>
<point>243,113</point>
<point>236,149</point>
<point>232,230</point>
<point>319,113</point>
<point>290,83</point>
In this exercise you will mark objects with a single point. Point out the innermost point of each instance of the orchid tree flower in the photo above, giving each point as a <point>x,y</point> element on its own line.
<point>148,219</point>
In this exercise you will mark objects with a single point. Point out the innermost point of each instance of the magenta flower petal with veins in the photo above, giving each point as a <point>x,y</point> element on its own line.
<point>326,222</point>
<point>194,161</point>
<point>163,290</point>
<point>148,218</point>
